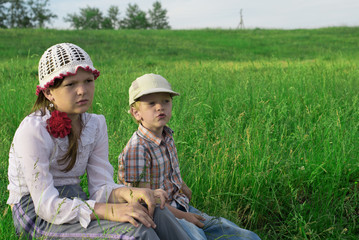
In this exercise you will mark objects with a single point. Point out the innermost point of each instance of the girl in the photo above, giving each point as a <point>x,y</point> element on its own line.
<point>55,145</point>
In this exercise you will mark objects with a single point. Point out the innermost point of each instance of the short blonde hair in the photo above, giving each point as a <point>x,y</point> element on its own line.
<point>135,105</point>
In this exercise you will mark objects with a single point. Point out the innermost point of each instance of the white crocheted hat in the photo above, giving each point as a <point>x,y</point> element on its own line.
<point>62,60</point>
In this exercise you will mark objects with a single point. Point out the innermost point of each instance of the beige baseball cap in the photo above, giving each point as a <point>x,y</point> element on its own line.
<point>147,84</point>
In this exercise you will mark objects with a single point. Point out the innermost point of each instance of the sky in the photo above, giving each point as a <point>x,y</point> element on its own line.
<point>225,14</point>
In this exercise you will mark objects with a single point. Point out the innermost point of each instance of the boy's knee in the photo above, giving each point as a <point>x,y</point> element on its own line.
<point>143,232</point>
<point>163,213</point>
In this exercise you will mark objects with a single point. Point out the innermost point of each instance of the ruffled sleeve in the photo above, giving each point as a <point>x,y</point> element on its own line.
<point>32,148</point>
<point>84,213</point>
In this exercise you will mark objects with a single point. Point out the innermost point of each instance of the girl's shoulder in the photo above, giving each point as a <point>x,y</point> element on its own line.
<point>33,127</point>
<point>35,120</point>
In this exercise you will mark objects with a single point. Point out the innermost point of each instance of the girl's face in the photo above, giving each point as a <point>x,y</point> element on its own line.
<point>74,95</point>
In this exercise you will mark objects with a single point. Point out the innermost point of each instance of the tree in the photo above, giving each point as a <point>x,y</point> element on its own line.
<point>17,15</point>
<point>158,17</point>
<point>92,18</point>
<point>3,14</point>
<point>112,14</point>
<point>89,18</point>
<point>135,18</point>
<point>111,21</point>
<point>40,14</point>
<point>24,14</point>
<point>106,23</point>
<point>74,20</point>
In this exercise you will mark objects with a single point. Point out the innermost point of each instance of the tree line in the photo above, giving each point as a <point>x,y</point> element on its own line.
<point>25,14</point>
<point>135,18</point>
<point>35,14</point>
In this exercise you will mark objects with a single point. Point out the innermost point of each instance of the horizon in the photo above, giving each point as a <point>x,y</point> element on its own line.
<point>202,14</point>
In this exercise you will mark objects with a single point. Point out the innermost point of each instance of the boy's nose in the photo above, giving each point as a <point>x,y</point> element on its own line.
<point>159,106</point>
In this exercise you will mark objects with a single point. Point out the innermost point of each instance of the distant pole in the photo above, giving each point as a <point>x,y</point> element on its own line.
<point>241,23</point>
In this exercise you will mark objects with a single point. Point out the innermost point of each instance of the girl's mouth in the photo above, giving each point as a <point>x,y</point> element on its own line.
<point>82,102</point>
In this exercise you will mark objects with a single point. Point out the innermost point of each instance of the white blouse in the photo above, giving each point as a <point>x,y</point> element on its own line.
<point>34,169</point>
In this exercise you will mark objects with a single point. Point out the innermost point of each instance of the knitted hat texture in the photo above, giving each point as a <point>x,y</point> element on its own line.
<point>62,60</point>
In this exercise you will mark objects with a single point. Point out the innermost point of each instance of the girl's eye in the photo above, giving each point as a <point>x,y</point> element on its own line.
<point>68,84</point>
<point>90,80</point>
<point>152,103</point>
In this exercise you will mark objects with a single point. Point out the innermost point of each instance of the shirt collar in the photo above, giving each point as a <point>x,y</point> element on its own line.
<point>88,132</point>
<point>148,135</point>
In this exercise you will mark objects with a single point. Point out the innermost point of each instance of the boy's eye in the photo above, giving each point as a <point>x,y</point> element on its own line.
<point>68,84</point>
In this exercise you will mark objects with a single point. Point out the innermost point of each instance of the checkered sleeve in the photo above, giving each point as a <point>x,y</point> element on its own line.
<point>134,163</point>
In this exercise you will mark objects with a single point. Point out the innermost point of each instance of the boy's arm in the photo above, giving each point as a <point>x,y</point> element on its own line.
<point>134,164</point>
<point>189,217</point>
<point>186,190</point>
<point>144,185</point>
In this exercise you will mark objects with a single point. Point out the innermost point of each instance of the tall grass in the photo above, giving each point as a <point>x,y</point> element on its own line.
<point>266,126</point>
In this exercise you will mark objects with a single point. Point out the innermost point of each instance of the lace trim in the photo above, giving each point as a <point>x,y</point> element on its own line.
<point>84,214</point>
<point>63,74</point>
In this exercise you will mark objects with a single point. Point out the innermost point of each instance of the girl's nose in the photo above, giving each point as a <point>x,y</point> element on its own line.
<point>81,90</point>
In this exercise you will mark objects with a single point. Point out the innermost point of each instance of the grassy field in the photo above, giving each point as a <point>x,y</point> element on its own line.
<point>267,124</point>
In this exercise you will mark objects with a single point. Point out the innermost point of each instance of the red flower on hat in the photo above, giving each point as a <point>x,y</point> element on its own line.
<point>59,124</point>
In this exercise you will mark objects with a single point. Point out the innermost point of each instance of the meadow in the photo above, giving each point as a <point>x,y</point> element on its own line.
<point>266,126</point>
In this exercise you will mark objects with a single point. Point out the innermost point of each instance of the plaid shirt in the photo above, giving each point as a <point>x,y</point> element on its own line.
<point>147,158</point>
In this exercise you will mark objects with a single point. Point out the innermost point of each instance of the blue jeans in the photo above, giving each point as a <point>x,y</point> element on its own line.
<point>216,228</point>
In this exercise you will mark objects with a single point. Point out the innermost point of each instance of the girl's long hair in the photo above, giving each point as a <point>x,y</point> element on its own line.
<point>41,104</point>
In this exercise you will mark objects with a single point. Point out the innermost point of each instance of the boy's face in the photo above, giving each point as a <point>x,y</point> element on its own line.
<point>154,111</point>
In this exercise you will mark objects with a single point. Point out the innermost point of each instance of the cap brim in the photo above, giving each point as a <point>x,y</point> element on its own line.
<point>156,90</point>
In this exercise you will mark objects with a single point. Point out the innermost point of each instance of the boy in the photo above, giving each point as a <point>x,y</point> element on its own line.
<point>150,160</point>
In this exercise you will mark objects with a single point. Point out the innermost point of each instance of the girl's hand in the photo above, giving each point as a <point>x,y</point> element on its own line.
<point>124,212</point>
<point>141,195</point>
<point>195,219</point>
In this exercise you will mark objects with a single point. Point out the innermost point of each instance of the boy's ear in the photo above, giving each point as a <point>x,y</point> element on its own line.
<point>135,113</point>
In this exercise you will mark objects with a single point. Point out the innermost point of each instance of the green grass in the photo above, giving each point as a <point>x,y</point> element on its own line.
<point>266,127</point>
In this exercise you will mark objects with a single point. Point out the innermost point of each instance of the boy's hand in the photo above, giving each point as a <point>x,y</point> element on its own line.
<point>195,219</point>
<point>161,197</point>
<point>187,191</point>
<point>142,195</point>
